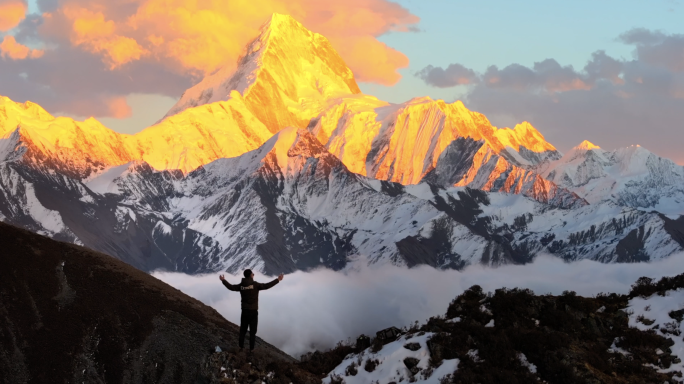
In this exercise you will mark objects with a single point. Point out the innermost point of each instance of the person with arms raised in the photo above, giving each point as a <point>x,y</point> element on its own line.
<point>249,291</point>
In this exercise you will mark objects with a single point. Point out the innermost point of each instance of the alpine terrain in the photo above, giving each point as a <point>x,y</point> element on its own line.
<point>283,164</point>
<point>70,314</point>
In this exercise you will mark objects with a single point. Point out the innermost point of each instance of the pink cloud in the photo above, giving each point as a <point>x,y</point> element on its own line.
<point>12,12</point>
<point>9,48</point>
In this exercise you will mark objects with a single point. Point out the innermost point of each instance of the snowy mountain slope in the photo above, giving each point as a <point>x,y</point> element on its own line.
<point>466,162</point>
<point>444,144</point>
<point>200,135</point>
<point>631,176</point>
<point>19,205</point>
<point>292,205</point>
<point>73,148</point>
<point>403,142</point>
<point>11,148</point>
<point>66,209</point>
<point>606,232</point>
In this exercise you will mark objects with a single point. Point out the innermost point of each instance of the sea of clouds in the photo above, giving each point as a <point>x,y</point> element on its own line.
<point>315,310</point>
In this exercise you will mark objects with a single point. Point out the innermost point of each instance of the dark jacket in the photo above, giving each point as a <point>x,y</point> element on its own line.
<point>249,290</point>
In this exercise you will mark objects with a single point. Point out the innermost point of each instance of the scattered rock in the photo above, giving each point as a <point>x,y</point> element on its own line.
<point>412,346</point>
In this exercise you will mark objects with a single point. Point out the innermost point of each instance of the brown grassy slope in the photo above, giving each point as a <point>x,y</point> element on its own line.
<point>69,314</point>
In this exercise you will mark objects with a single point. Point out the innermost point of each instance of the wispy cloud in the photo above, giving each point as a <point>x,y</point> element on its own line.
<point>316,309</point>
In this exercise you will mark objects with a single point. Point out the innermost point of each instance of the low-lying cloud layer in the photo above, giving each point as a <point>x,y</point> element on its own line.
<point>315,310</point>
<point>611,102</point>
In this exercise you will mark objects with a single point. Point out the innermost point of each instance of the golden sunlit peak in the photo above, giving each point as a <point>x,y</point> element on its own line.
<point>587,145</point>
<point>523,134</point>
<point>278,20</point>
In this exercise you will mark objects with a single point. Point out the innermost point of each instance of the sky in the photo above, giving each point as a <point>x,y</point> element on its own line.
<point>315,310</point>
<point>607,71</point>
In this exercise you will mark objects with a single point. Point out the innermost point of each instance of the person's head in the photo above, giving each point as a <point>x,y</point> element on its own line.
<point>248,273</point>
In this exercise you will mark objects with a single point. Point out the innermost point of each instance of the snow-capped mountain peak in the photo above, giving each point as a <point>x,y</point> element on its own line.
<point>586,145</point>
<point>525,135</point>
<point>286,61</point>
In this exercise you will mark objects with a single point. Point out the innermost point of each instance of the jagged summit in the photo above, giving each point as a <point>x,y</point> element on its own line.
<point>586,145</point>
<point>525,135</point>
<point>286,62</point>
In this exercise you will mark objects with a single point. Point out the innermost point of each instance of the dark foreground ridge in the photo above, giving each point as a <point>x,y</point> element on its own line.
<point>72,315</point>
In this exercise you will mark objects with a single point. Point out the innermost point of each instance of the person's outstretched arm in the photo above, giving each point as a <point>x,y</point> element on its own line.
<point>229,285</point>
<point>271,284</point>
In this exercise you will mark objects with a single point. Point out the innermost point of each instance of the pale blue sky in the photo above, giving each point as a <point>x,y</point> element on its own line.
<point>481,33</point>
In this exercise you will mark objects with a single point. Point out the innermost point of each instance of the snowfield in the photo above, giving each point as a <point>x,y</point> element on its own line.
<point>659,313</point>
<point>391,366</point>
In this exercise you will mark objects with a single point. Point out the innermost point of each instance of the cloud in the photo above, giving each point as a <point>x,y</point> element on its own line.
<point>76,82</point>
<point>119,108</point>
<point>96,51</point>
<point>97,35</point>
<point>656,48</point>
<point>611,102</point>
<point>453,75</point>
<point>9,48</point>
<point>315,310</point>
<point>547,76</point>
<point>12,12</point>
<point>202,36</point>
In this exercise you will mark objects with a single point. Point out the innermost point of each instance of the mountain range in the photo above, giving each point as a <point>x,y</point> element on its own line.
<point>283,164</point>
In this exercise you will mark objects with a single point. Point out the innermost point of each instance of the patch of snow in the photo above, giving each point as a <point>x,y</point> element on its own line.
<point>525,363</point>
<point>474,355</point>
<point>615,349</point>
<point>657,308</point>
<point>105,181</point>
<point>375,184</point>
<point>162,227</point>
<point>10,147</point>
<point>48,219</point>
<point>490,324</point>
<point>391,365</point>
<point>421,191</point>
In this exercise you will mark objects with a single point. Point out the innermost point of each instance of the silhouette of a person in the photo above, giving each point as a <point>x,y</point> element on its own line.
<point>249,291</point>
